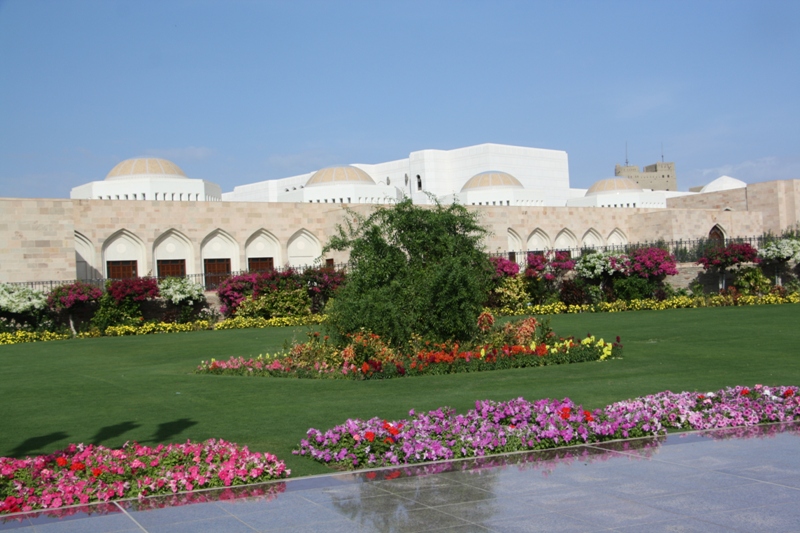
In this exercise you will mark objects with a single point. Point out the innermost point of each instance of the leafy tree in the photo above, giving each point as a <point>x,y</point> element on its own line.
<point>413,270</point>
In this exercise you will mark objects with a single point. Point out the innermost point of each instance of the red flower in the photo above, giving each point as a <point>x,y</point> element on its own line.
<point>788,393</point>
<point>587,415</point>
<point>565,413</point>
<point>364,367</point>
<point>77,466</point>
<point>388,440</point>
<point>745,391</point>
<point>370,436</point>
<point>96,472</point>
<point>61,461</point>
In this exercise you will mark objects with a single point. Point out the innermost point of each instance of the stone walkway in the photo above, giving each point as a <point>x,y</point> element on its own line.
<point>731,480</point>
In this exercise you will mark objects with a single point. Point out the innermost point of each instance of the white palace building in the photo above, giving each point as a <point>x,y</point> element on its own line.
<point>148,218</point>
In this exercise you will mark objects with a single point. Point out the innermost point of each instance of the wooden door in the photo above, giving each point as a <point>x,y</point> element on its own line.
<point>216,270</point>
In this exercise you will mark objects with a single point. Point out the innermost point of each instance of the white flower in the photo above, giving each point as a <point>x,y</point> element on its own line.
<point>782,250</point>
<point>180,290</point>
<point>20,299</point>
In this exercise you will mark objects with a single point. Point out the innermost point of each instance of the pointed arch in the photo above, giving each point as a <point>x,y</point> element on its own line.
<point>591,239</point>
<point>262,251</point>
<point>123,255</point>
<point>220,254</point>
<point>565,240</point>
<point>85,258</point>
<point>173,254</point>
<point>514,241</point>
<point>303,248</point>
<point>717,235</point>
<point>538,240</point>
<point>616,238</point>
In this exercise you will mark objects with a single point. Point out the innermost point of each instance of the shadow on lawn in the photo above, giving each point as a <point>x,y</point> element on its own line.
<point>34,444</point>
<point>167,430</point>
<point>109,432</point>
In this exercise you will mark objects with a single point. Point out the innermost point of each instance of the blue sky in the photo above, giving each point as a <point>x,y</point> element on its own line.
<point>239,91</point>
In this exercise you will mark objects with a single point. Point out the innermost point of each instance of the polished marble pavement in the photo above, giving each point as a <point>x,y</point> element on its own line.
<point>722,480</point>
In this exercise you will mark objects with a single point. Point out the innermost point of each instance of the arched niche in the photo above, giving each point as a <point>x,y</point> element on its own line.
<point>173,254</point>
<point>85,259</point>
<point>565,240</point>
<point>717,235</point>
<point>262,251</point>
<point>124,255</point>
<point>303,248</point>
<point>617,238</point>
<point>591,239</point>
<point>538,241</point>
<point>219,244</point>
<point>514,241</point>
<point>220,254</point>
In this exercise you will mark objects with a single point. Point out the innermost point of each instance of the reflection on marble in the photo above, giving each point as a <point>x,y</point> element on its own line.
<point>735,479</point>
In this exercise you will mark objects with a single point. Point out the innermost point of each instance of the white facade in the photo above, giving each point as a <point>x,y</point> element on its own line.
<point>621,191</point>
<point>543,174</point>
<point>148,179</point>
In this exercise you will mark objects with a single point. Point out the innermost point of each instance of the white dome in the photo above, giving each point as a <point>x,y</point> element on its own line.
<point>333,175</point>
<point>723,183</point>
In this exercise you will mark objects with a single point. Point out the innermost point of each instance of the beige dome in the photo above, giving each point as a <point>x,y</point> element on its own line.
<point>491,179</point>
<point>145,166</point>
<point>618,184</point>
<point>333,175</point>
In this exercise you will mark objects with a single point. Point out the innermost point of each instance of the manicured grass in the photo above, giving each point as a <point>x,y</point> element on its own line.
<point>110,390</point>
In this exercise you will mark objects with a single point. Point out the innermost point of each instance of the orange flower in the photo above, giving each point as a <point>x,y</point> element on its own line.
<point>364,367</point>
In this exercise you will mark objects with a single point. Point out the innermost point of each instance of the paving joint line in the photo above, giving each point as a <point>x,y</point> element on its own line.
<point>126,513</point>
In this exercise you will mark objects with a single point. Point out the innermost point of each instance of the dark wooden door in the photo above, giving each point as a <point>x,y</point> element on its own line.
<point>171,268</point>
<point>121,269</point>
<point>260,264</point>
<point>216,270</point>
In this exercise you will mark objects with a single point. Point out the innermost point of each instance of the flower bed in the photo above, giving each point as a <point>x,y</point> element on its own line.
<point>148,328</point>
<point>518,344</point>
<point>82,474</point>
<point>519,425</point>
<point>439,360</point>
<point>677,302</point>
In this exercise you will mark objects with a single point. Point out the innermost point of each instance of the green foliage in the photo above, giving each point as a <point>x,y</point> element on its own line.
<point>751,281</point>
<point>110,313</point>
<point>287,302</point>
<point>634,288</point>
<point>512,294</point>
<point>412,270</point>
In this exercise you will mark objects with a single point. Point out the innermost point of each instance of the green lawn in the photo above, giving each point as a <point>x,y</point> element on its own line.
<point>110,390</point>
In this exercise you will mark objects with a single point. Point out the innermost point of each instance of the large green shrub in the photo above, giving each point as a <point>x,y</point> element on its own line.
<point>287,302</point>
<point>413,269</point>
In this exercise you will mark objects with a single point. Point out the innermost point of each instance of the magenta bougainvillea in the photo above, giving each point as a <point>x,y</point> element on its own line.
<point>725,257</point>
<point>135,289</point>
<point>73,295</point>
<point>320,283</point>
<point>652,263</point>
<point>549,266</point>
<point>503,267</point>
